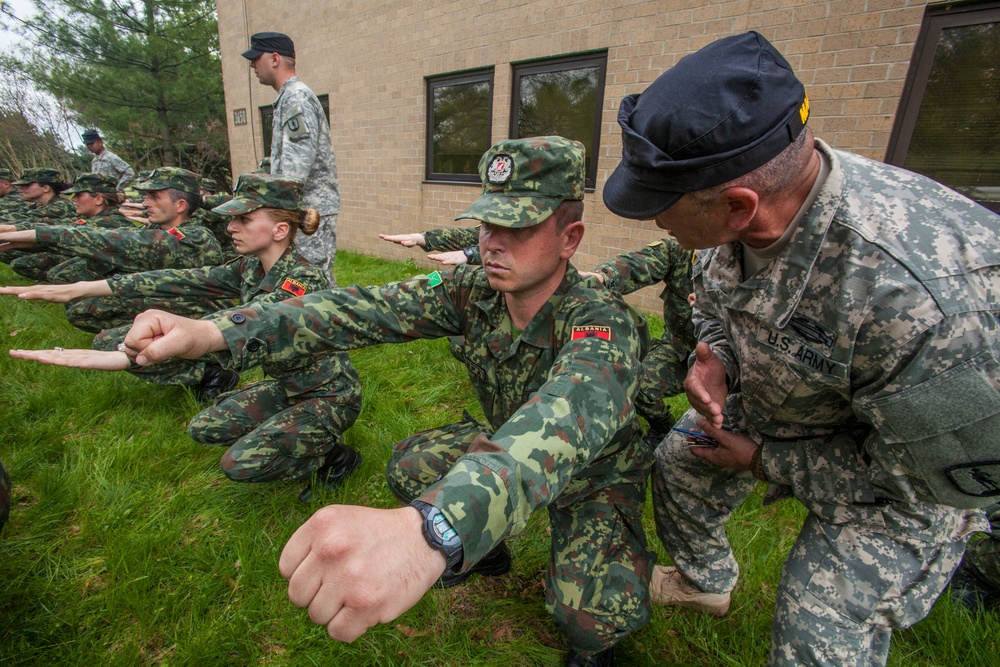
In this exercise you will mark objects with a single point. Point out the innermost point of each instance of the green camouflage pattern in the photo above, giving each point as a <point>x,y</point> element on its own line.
<point>56,269</point>
<point>983,554</point>
<point>109,164</point>
<point>4,496</point>
<point>665,366</point>
<point>866,358</point>
<point>301,149</point>
<point>33,215</point>
<point>525,180</point>
<point>39,175</point>
<point>557,399</point>
<point>10,203</point>
<point>263,167</point>
<point>96,183</point>
<point>6,175</point>
<point>217,224</point>
<point>255,191</point>
<point>209,185</point>
<point>170,178</point>
<point>271,435</point>
<point>454,238</point>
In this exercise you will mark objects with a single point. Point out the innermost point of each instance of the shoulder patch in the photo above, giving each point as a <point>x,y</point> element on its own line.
<point>293,287</point>
<point>81,221</point>
<point>434,279</point>
<point>296,126</point>
<point>590,332</point>
<point>176,233</point>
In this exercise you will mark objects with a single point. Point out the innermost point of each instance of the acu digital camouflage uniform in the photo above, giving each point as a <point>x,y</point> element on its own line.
<point>866,358</point>
<point>55,268</point>
<point>665,366</point>
<point>110,164</point>
<point>561,431</point>
<point>301,149</point>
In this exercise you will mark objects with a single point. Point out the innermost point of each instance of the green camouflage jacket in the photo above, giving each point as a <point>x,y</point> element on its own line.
<point>109,219</point>
<point>291,276</point>
<point>57,209</point>
<point>867,354</point>
<point>134,250</point>
<point>668,262</point>
<point>454,238</point>
<point>558,396</point>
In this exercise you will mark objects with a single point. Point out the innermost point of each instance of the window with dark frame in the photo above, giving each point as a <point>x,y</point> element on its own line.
<point>948,122</point>
<point>562,96</point>
<point>459,123</point>
<point>267,121</point>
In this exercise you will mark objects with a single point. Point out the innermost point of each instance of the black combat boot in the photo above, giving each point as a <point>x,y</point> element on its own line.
<point>970,591</point>
<point>216,380</point>
<point>340,462</point>
<point>605,658</point>
<point>493,564</point>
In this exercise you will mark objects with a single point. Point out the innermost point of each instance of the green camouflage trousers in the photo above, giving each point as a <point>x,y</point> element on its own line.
<point>36,265</point>
<point>95,314</point>
<point>597,582</point>
<point>175,371</point>
<point>983,554</point>
<point>845,585</point>
<point>4,495</point>
<point>657,382</point>
<point>76,269</point>
<point>270,436</point>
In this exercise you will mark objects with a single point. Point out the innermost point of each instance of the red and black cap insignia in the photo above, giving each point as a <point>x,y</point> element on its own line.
<point>293,287</point>
<point>176,233</point>
<point>591,332</point>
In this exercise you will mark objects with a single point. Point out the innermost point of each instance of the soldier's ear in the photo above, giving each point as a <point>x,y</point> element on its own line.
<point>281,230</point>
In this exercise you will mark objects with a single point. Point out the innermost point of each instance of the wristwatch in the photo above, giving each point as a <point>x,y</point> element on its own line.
<point>439,533</point>
<point>470,254</point>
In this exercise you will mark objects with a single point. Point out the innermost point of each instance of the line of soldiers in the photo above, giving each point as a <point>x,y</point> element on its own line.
<point>838,316</point>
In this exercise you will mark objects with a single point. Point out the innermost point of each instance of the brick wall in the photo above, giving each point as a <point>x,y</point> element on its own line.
<point>372,57</point>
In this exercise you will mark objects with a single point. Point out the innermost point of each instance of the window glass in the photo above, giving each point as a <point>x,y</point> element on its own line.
<point>459,119</point>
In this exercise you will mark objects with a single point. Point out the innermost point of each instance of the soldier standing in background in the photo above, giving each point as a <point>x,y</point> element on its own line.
<point>106,162</point>
<point>301,147</point>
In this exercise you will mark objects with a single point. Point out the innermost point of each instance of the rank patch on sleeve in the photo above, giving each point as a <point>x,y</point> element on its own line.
<point>293,287</point>
<point>434,279</point>
<point>81,221</point>
<point>591,332</point>
<point>176,233</point>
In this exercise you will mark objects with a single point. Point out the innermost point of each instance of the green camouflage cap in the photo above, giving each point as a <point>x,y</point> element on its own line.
<point>101,184</point>
<point>525,180</point>
<point>209,184</point>
<point>167,178</point>
<point>38,175</point>
<point>6,175</point>
<point>255,191</point>
<point>263,167</point>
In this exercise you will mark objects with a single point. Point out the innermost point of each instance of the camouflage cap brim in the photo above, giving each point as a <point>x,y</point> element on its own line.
<point>238,207</point>
<point>513,212</point>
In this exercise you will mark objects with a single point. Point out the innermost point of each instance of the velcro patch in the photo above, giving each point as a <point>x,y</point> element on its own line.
<point>176,233</point>
<point>296,126</point>
<point>293,287</point>
<point>590,332</point>
<point>434,279</point>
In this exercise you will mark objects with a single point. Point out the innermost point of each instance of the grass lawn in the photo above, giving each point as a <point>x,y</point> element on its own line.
<point>127,546</point>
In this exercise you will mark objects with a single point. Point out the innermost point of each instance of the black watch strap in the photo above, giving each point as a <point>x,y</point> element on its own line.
<point>439,533</point>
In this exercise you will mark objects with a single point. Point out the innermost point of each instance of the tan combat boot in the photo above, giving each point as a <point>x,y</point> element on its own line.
<point>669,587</point>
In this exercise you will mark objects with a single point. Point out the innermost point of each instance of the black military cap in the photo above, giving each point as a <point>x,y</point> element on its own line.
<point>269,42</point>
<point>718,114</point>
<point>90,136</point>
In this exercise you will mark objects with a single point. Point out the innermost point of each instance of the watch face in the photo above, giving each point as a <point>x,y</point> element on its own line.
<point>442,529</point>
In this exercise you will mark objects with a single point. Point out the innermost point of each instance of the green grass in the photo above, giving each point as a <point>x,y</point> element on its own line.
<point>127,546</point>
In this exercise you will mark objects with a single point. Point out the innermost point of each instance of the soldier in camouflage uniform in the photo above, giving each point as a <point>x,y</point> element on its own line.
<point>39,189</point>
<point>10,201</point>
<point>96,199</point>
<point>301,147</point>
<point>553,359</point>
<point>976,583</point>
<point>290,425</point>
<point>4,496</point>
<point>848,341</point>
<point>215,222</point>
<point>665,366</point>
<point>169,241</point>
<point>106,162</point>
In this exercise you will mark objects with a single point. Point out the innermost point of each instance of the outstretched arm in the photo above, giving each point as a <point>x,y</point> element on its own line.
<point>60,293</point>
<point>156,335</point>
<point>405,240</point>
<point>97,360</point>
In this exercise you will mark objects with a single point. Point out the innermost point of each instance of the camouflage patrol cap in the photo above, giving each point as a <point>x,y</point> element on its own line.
<point>255,191</point>
<point>101,184</point>
<point>209,184</point>
<point>525,180</point>
<point>171,178</point>
<point>6,175</point>
<point>38,175</point>
<point>263,167</point>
